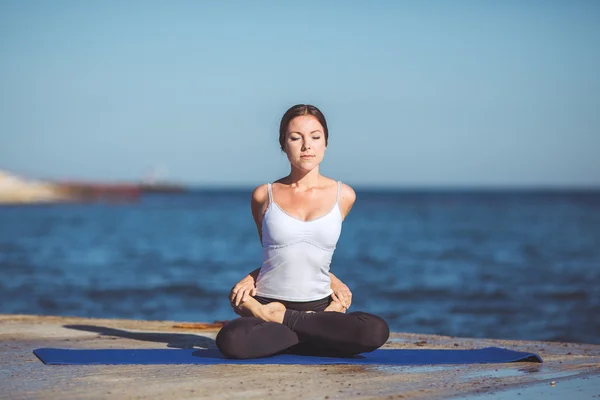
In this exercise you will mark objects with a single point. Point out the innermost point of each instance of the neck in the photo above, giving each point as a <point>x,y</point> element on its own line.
<point>304,180</point>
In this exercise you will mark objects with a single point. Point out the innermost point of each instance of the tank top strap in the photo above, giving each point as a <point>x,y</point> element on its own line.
<point>339,192</point>
<point>270,190</point>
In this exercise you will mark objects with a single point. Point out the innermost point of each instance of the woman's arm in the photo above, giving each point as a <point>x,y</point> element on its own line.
<point>247,286</point>
<point>259,205</point>
<point>341,292</point>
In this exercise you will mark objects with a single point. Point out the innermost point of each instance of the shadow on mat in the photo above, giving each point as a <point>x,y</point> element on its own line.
<point>176,340</point>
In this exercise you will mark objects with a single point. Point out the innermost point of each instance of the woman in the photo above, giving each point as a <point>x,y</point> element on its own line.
<point>292,307</point>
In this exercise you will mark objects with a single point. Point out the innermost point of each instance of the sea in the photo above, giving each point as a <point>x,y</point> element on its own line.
<point>481,264</point>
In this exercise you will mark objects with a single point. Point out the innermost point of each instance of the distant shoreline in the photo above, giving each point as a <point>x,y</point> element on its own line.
<point>18,190</point>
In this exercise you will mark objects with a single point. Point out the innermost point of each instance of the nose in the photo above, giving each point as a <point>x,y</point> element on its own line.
<point>305,145</point>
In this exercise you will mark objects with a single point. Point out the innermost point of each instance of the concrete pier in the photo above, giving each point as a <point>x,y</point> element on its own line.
<point>569,370</point>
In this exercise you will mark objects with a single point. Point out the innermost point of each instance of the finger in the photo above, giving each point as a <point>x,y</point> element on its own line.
<point>253,292</point>
<point>237,287</point>
<point>342,298</point>
<point>232,294</point>
<point>239,297</point>
<point>246,295</point>
<point>348,298</point>
<point>334,297</point>
<point>237,293</point>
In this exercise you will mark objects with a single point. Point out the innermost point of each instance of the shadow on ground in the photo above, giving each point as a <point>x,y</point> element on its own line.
<point>175,340</point>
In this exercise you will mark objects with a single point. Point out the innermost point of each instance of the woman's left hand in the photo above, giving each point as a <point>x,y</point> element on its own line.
<point>341,293</point>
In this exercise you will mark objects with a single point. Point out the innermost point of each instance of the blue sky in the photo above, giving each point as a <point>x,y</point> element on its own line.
<point>417,93</point>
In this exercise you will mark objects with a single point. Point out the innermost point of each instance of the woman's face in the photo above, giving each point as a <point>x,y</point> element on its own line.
<point>305,142</point>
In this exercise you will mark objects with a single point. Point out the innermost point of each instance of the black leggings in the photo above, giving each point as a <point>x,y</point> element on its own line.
<point>331,333</point>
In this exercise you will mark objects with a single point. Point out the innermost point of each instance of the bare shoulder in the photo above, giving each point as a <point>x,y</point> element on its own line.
<point>260,194</point>
<point>347,193</point>
<point>259,204</point>
<point>347,198</point>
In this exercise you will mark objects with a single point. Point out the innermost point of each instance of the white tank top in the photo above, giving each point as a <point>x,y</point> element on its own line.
<point>297,254</point>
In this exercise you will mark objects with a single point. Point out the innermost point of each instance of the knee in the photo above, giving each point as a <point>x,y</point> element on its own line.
<point>231,344</point>
<point>375,332</point>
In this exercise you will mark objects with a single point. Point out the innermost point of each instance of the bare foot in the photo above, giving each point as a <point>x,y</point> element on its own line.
<point>272,312</point>
<point>336,306</point>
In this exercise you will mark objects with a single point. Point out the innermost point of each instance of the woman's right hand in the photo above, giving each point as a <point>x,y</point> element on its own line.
<point>240,292</point>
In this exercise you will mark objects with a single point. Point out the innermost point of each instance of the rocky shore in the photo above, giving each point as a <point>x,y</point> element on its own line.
<point>16,190</point>
<point>569,370</point>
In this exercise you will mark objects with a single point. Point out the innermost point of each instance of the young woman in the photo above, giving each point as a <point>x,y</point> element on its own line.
<point>293,303</point>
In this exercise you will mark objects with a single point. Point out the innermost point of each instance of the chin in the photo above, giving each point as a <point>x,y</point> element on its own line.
<point>306,166</point>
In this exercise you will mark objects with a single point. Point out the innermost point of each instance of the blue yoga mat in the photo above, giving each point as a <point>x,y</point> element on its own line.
<point>195,356</point>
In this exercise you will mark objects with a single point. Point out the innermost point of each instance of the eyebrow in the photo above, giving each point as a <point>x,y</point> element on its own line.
<point>318,130</point>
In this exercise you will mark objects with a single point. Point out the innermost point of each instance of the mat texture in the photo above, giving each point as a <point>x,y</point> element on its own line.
<point>195,356</point>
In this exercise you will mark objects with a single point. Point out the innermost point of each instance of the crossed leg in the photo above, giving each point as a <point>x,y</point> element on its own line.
<point>319,333</point>
<point>251,337</point>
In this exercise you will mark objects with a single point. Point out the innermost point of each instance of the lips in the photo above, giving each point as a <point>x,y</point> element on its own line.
<point>306,156</point>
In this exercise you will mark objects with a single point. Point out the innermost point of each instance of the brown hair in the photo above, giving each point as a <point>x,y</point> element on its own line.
<point>297,111</point>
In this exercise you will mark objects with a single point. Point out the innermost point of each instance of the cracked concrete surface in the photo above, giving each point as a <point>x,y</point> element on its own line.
<point>572,367</point>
